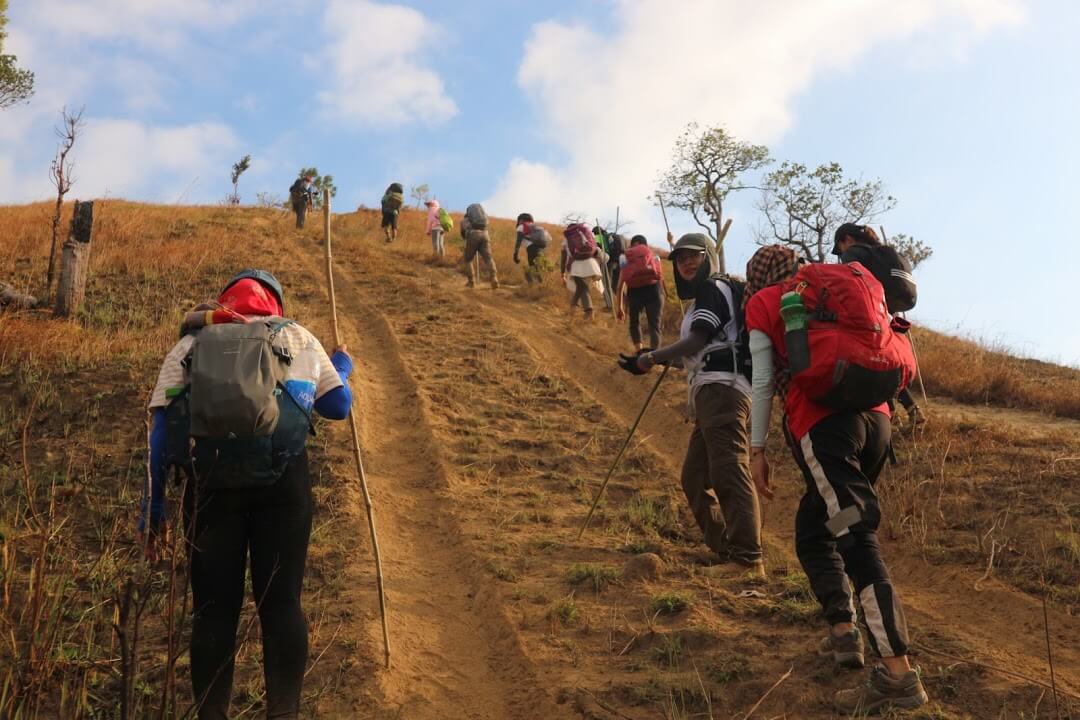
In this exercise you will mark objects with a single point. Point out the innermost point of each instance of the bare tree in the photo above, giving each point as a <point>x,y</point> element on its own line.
<point>419,193</point>
<point>802,208</point>
<point>60,173</point>
<point>707,167</point>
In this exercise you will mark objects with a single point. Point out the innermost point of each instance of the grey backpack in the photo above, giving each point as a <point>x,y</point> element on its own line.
<point>476,216</point>
<point>539,237</point>
<point>235,425</point>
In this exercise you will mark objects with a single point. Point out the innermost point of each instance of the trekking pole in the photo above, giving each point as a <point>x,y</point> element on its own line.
<point>356,438</point>
<point>605,276</point>
<point>911,339</point>
<point>626,443</point>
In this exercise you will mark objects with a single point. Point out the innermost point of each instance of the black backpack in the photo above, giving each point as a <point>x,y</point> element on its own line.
<point>743,360</point>
<point>297,190</point>
<point>891,269</point>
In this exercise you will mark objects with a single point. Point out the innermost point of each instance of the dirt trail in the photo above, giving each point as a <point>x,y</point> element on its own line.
<point>459,389</point>
<point>1009,630</point>
<point>453,653</point>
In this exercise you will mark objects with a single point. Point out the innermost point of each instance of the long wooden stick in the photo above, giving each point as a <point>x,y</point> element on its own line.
<point>356,439</point>
<point>664,213</point>
<point>626,443</point>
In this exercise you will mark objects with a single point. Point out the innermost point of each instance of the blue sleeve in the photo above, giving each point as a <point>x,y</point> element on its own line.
<point>335,404</point>
<point>153,497</point>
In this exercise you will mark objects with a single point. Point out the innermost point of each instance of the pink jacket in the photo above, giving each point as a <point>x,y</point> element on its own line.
<point>432,215</point>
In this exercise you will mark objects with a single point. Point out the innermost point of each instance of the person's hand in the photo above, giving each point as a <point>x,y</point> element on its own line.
<point>629,363</point>
<point>760,472</point>
<point>342,348</point>
<point>670,239</point>
<point>619,314</point>
<point>645,361</point>
<point>517,260</point>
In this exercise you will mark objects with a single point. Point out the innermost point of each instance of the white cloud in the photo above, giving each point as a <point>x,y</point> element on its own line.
<point>380,78</point>
<point>613,103</point>
<point>124,157</point>
<point>153,24</point>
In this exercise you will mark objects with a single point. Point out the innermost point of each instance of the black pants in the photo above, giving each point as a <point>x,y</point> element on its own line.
<point>648,299</point>
<point>837,521</point>
<point>531,272</point>
<point>301,212</point>
<point>272,525</point>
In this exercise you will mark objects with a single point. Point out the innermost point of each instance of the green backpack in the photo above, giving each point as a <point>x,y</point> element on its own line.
<point>393,201</point>
<point>445,220</point>
<point>234,425</point>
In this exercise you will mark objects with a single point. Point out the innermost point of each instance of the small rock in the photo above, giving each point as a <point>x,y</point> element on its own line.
<point>646,566</point>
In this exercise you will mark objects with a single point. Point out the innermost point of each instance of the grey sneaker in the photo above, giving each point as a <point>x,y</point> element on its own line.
<point>846,650</point>
<point>882,691</point>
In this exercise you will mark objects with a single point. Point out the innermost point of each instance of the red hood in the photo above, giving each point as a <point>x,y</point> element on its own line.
<point>249,297</point>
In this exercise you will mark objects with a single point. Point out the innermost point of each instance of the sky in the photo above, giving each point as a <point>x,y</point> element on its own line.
<point>966,109</point>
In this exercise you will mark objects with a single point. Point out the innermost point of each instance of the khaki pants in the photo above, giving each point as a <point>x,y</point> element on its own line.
<point>716,474</point>
<point>478,242</point>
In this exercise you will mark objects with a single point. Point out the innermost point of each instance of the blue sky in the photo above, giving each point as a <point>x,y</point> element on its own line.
<point>966,109</point>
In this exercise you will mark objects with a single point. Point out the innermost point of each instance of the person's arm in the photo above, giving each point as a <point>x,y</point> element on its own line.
<point>761,352</point>
<point>690,345</point>
<point>335,404</point>
<point>152,506</point>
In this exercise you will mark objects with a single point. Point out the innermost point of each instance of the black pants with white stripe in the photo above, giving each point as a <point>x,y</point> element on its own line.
<point>836,525</point>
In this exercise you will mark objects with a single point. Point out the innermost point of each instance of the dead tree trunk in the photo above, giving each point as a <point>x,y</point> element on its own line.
<point>75,263</point>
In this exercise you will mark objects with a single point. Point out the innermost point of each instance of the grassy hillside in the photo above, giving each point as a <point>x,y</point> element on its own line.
<point>489,419</point>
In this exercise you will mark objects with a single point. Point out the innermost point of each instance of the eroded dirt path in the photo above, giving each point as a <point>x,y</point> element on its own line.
<point>486,423</point>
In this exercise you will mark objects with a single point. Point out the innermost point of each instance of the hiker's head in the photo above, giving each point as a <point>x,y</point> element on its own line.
<point>253,292</point>
<point>692,263</point>
<point>432,203</point>
<point>308,178</point>
<point>639,240</point>
<point>597,230</point>
<point>524,218</point>
<point>769,265</point>
<point>849,234</point>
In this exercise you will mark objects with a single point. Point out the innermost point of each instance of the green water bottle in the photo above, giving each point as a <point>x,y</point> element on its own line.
<point>793,312</point>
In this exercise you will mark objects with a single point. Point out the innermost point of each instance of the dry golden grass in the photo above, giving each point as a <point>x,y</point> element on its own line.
<point>77,388</point>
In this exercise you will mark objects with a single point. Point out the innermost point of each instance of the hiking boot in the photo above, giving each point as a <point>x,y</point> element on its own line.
<point>494,284</point>
<point>469,283</point>
<point>588,314</point>
<point>882,691</point>
<point>846,650</point>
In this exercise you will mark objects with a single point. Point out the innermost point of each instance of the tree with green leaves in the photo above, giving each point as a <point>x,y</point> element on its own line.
<point>16,85</point>
<point>802,207</point>
<point>321,183</point>
<point>916,251</point>
<point>238,169</point>
<point>707,166</point>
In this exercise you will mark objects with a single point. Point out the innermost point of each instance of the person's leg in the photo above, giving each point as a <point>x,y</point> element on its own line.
<point>281,528</point>
<point>634,306</point>
<point>301,210</point>
<point>581,292</point>
<point>532,272</point>
<point>217,535</point>
<point>393,225</point>
<point>435,242</point>
<point>489,261</point>
<point>845,453</point>
<point>652,314</point>
<point>586,296</point>
<point>471,246</point>
<point>442,241</point>
<point>723,416</point>
<point>386,220</point>
<point>699,496</point>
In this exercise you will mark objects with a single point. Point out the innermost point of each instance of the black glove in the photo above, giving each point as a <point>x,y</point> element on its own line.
<point>630,365</point>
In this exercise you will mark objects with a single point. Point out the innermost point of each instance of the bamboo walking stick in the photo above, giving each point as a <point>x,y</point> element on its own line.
<point>626,443</point>
<point>356,438</point>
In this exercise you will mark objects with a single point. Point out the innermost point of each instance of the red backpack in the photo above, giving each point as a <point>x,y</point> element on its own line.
<point>580,241</point>
<point>859,357</point>
<point>642,267</point>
